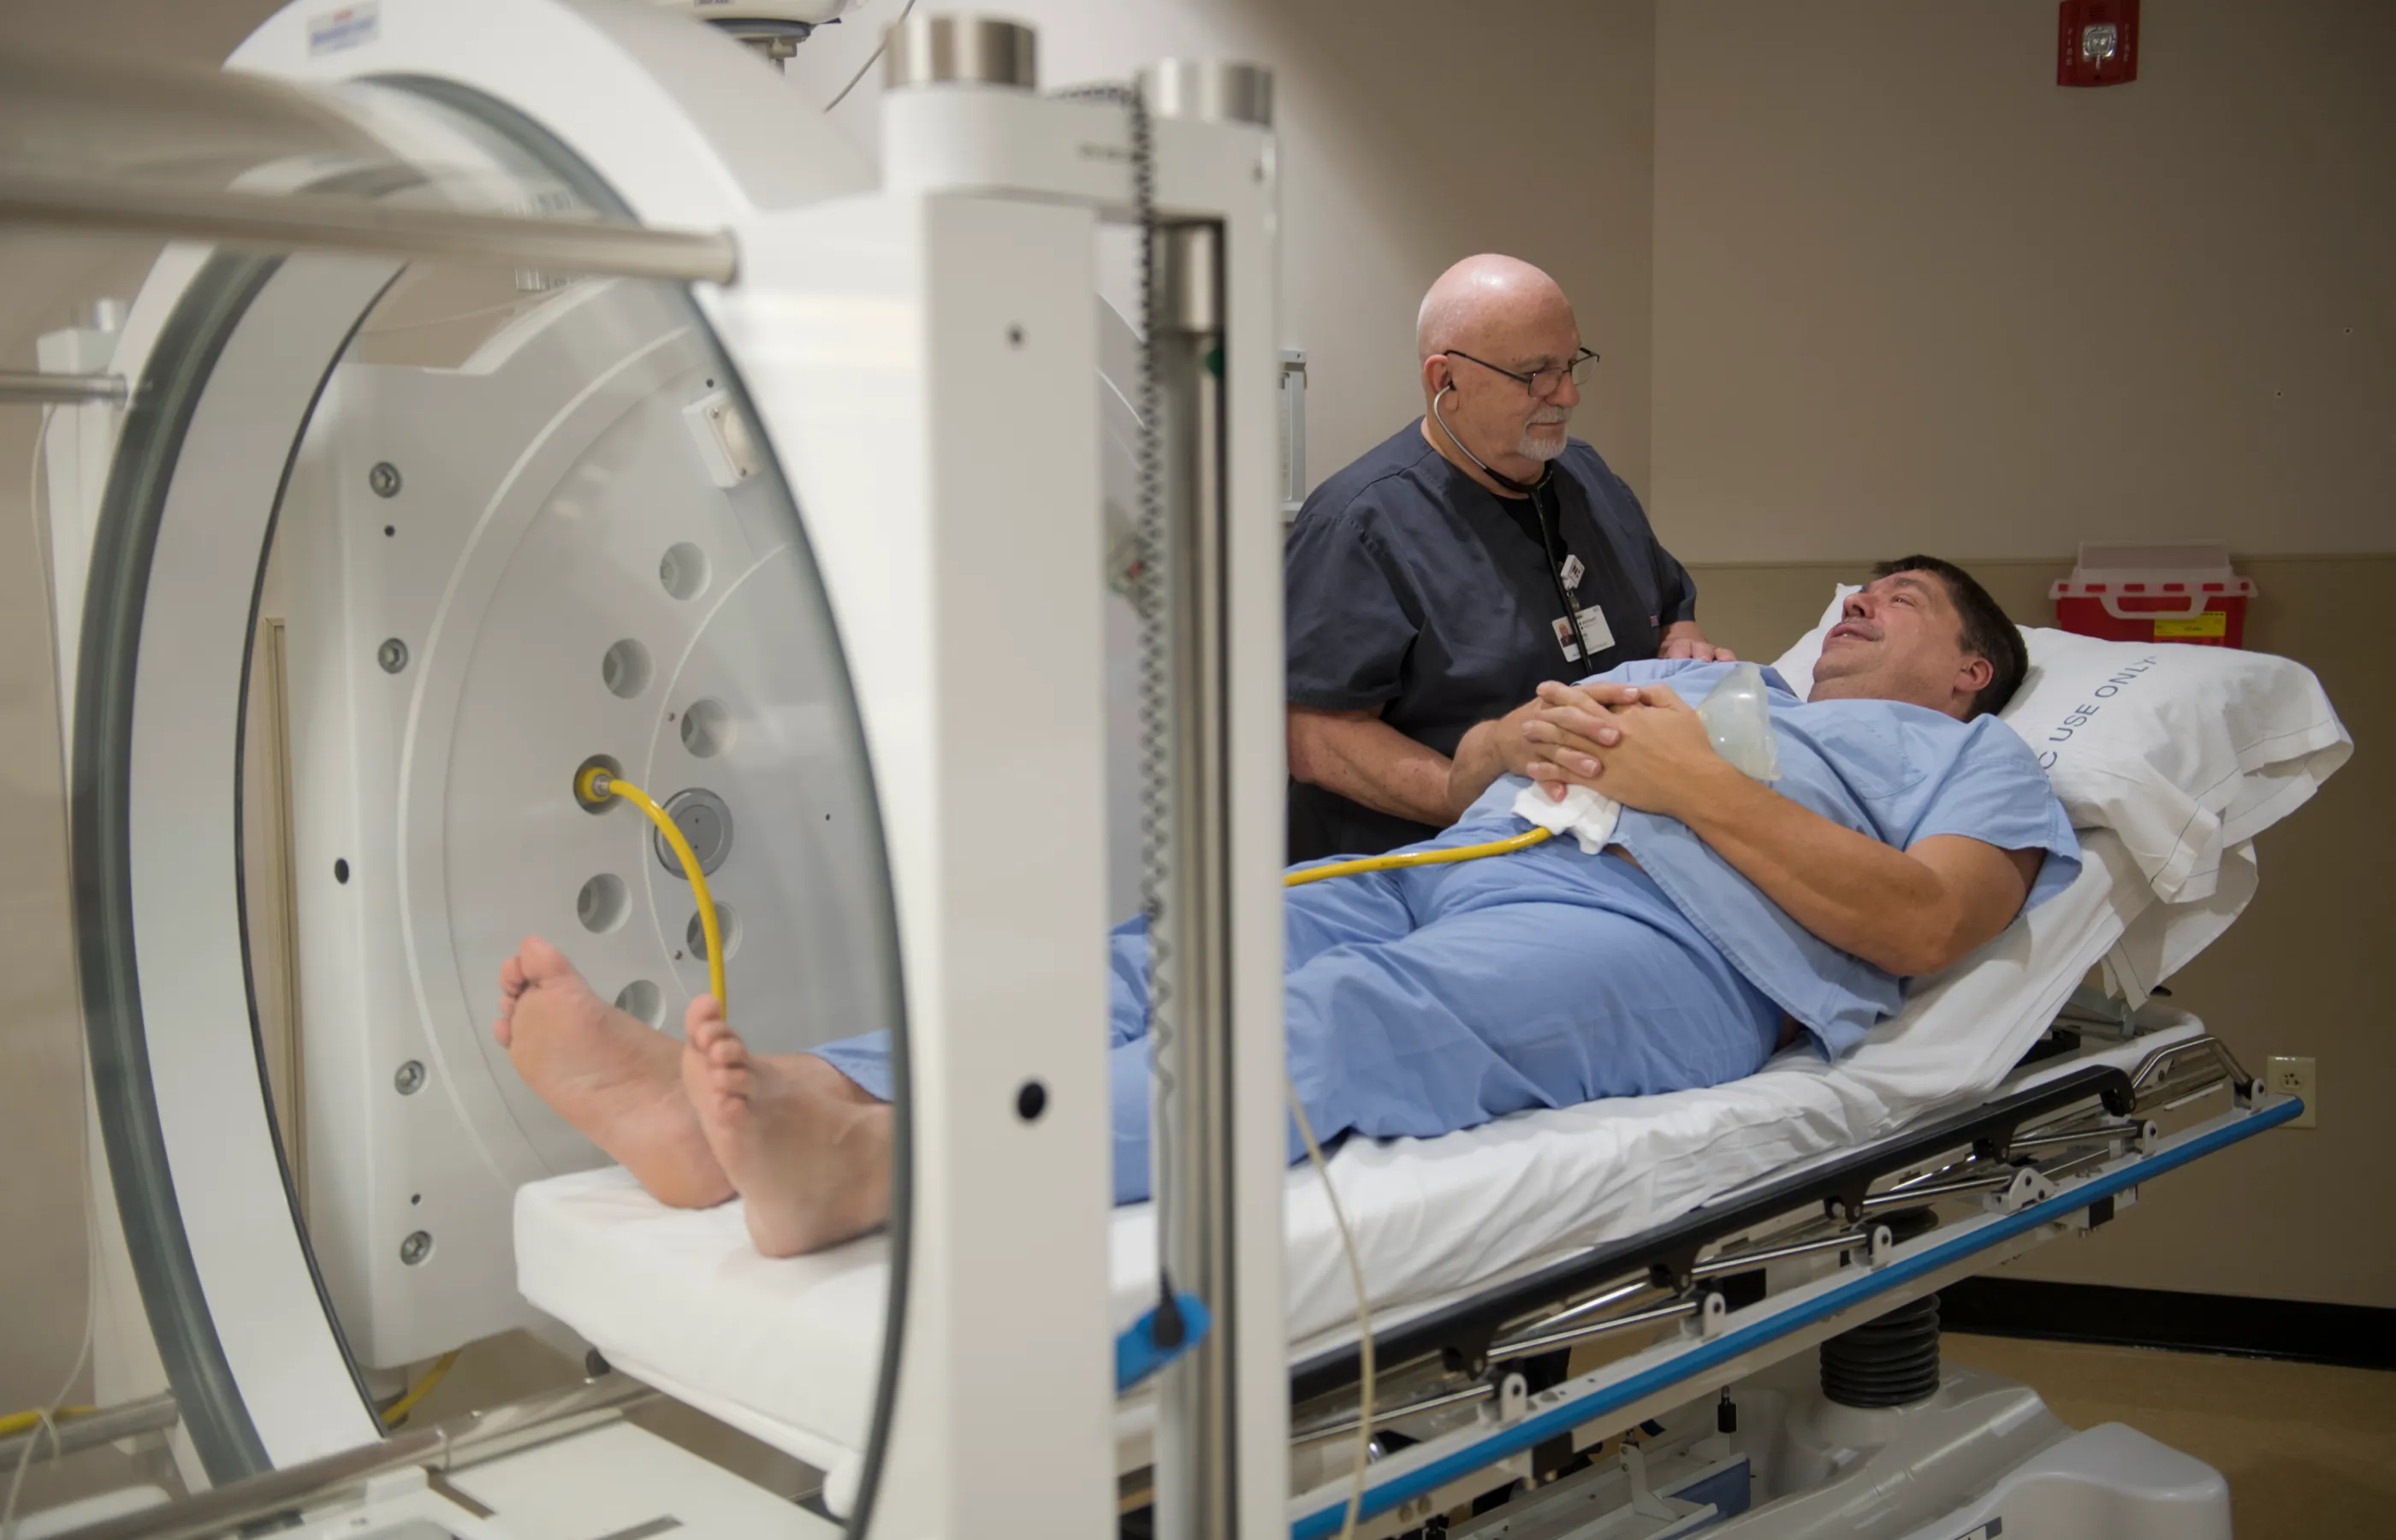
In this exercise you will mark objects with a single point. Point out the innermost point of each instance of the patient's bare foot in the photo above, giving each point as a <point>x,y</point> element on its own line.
<point>807,1148</point>
<point>608,1073</point>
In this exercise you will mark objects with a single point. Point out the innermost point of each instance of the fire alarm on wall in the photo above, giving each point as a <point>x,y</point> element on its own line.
<point>2096,42</point>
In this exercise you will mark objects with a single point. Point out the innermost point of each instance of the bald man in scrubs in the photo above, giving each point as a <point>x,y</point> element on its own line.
<point>1437,582</point>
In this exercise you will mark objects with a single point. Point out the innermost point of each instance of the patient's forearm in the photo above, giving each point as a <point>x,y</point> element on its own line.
<point>1367,760</point>
<point>1860,896</point>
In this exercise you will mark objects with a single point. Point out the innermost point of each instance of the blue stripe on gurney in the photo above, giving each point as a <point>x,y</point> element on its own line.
<point>1138,1354</point>
<point>1518,1437</point>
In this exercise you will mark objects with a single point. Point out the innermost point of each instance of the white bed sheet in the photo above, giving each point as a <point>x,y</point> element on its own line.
<point>788,1349</point>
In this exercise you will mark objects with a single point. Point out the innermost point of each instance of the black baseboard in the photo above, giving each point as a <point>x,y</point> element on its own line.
<point>2356,1335</point>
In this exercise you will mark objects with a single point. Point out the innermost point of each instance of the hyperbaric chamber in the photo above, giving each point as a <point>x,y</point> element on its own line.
<point>404,532</point>
<point>390,550</point>
<point>405,548</point>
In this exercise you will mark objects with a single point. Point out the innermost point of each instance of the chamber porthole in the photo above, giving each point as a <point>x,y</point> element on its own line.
<point>727,921</point>
<point>602,904</point>
<point>642,999</point>
<point>684,570</point>
<point>706,728</point>
<point>626,668</point>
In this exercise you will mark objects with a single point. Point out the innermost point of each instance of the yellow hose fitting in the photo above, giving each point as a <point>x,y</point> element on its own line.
<point>595,786</point>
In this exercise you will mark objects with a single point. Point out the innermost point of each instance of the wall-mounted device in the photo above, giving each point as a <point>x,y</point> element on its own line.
<point>2097,43</point>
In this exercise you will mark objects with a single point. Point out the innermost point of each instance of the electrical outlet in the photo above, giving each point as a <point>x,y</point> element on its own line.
<point>2294,1077</point>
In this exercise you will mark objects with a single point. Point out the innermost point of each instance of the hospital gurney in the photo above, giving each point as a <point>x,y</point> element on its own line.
<point>1749,1221</point>
<point>1459,1235</point>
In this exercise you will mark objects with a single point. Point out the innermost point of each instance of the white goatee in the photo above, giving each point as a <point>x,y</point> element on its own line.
<point>1537,446</point>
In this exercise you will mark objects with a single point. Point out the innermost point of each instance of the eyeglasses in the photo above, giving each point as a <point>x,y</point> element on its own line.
<point>1539,382</point>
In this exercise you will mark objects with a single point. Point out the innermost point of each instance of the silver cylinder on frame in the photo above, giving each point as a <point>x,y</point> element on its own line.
<point>1196,1485</point>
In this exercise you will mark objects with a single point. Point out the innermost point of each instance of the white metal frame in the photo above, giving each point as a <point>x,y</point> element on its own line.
<point>983,709</point>
<point>983,163</point>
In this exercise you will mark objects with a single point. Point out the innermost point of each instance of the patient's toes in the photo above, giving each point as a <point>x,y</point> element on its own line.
<point>713,1066</point>
<point>512,986</point>
<point>540,963</point>
<point>703,1022</point>
<point>728,1051</point>
<point>730,1074</point>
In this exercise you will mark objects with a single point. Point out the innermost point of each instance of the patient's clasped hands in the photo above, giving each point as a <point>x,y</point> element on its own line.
<point>1644,747</point>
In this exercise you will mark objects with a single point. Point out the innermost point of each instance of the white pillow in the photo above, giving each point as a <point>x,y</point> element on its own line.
<point>2184,751</point>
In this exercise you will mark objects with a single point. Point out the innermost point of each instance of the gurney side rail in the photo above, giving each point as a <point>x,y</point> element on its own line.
<point>1418,1480</point>
<point>1462,1334</point>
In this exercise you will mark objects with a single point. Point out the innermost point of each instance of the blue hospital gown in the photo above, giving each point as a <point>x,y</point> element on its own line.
<point>1426,1000</point>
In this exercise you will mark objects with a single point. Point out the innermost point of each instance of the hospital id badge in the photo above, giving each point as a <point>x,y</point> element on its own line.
<point>1592,625</point>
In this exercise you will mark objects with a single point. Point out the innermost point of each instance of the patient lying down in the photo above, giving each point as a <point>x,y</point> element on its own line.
<point>1726,919</point>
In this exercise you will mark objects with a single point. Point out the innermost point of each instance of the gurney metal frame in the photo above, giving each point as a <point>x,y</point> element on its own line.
<point>1752,1280</point>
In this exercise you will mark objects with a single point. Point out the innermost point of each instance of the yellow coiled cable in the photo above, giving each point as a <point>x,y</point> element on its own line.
<point>1523,840</point>
<point>595,786</point>
<point>397,1412</point>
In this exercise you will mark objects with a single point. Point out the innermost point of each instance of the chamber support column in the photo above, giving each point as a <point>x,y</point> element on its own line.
<point>1196,1484</point>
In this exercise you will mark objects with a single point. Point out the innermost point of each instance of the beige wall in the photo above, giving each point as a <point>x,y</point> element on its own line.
<point>1412,133</point>
<point>42,1260</point>
<point>1909,291</point>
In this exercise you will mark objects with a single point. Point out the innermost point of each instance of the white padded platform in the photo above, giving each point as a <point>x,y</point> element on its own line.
<point>787,1351</point>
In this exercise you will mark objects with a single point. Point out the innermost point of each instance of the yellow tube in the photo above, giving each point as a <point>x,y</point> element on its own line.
<point>397,1412</point>
<point>17,1422</point>
<point>595,785</point>
<point>1523,840</point>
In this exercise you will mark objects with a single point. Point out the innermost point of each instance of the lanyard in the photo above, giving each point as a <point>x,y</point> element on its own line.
<point>1551,543</point>
<point>1551,539</point>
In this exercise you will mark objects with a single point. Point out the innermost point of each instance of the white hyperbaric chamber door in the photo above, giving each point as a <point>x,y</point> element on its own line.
<point>570,548</point>
<point>387,553</point>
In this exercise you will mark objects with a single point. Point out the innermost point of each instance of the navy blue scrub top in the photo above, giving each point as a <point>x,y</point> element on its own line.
<point>1413,588</point>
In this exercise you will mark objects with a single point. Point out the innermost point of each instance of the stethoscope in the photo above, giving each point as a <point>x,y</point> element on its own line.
<point>1551,539</point>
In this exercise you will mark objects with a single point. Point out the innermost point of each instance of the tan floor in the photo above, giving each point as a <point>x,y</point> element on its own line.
<point>2309,1450</point>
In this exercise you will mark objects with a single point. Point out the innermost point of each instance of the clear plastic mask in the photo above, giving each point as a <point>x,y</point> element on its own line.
<point>1739,718</point>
